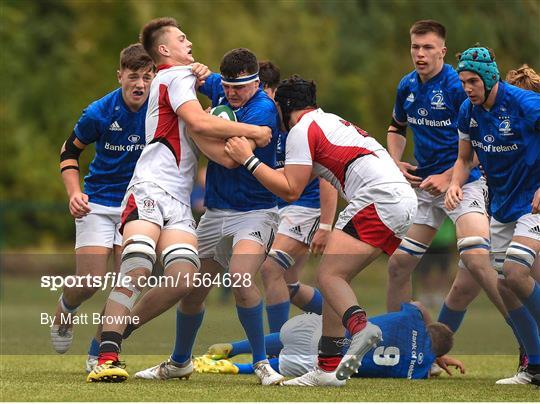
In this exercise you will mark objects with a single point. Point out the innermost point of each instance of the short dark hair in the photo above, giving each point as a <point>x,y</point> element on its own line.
<point>238,61</point>
<point>269,74</point>
<point>426,26</point>
<point>152,31</point>
<point>134,57</point>
<point>442,338</point>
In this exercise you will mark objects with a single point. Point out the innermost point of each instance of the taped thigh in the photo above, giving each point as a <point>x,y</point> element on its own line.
<point>413,247</point>
<point>471,243</point>
<point>181,252</point>
<point>139,252</point>
<point>284,260</point>
<point>520,254</point>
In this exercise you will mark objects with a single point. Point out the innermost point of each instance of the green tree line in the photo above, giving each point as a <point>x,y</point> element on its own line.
<point>58,56</point>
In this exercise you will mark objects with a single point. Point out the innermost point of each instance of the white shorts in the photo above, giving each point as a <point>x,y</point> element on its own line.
<point>502,233</point>
<point>380,216</point>
<point>299,223</point>
<point>99,228</point>
<point>147,201</point>
<point>300,338</point>
<point>431,209</point>
<point>220,229</point>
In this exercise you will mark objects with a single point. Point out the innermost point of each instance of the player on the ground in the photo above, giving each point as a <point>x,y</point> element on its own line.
<point>304,226</point>
<point>115,123</point>
<point>501,123</point>
<point>238,226</point>
<point>157,216</point>
<point>428,101</point>
<point>381,206</point>
<point>411,345</point>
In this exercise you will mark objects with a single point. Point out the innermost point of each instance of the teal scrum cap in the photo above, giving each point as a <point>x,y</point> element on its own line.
<point>479,61</point>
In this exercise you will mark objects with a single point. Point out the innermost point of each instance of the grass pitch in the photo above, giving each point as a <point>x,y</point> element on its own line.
<point>30,371</point>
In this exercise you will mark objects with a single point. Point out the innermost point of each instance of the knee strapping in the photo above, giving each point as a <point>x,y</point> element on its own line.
<point>127,297</point>
<point>413,247</point>
<point>282,258</point>
<point>293,289</point>
<point>520,254</point>
<point>139,252</point>
<point>180,252</point>
<point>471,243</point>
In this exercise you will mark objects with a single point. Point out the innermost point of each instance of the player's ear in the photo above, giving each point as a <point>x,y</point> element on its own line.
<point>443,52</point>
<point>119,76</point>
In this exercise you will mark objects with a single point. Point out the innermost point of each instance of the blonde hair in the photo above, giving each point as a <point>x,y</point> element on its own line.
<point>524,77</point>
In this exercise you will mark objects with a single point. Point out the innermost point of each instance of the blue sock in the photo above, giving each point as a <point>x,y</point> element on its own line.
<point>251,319</point>
<point>532,303</point>
<point>516,334</point>
<point>271,341</point>
<point>186,331</point>
<point>278,314</point>
<point>240,347</point>
<point>273,344</point>
<point>452,318</point>
<point>274,362</point>
<point>94,348</point>
<point>245,368</point>
<point>315,304</point>
<point>527,330</point>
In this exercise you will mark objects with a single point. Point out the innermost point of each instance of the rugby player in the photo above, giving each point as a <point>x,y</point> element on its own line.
<point>156,217</point>
<point>238,226</point>
<point>428,101</point>
<point>115,123</point>
<point>381,206</point>
<point>501,124</point>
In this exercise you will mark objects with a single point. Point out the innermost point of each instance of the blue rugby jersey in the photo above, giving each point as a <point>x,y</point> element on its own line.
<point>507,142</point>
<point>119,135</point>
<point>310,198</point>
<point>431,110</point>
<point>237,188</point>
<point>405,351</point>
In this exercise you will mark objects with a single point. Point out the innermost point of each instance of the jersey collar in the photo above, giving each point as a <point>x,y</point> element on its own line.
<point>304,113</point>
<point>163,67</point>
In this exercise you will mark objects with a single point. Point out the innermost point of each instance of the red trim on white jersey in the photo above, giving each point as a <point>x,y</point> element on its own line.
<point>334,157</point>
<point>167,130</point>
<point>368,227</point>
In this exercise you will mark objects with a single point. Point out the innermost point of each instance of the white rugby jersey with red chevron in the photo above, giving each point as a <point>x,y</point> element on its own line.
<point>170,156</point>
<point>341,153</point>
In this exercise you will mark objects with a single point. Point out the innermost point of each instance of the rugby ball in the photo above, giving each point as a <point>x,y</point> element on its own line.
<point>225,112</point>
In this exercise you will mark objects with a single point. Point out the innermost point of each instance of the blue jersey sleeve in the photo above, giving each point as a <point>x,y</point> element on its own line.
<point>88,127</point>
<point>399,113</point>
<point>213,89</point>
<point>464,120</point>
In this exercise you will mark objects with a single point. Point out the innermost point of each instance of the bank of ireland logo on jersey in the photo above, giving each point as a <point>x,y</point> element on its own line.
<point>422,112</point>
<point>504,128</point>
<point>437,101</point>
<point>134,138</point>
<point>489,138</point>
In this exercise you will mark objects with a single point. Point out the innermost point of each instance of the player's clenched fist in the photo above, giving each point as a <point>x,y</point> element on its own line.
<point>265,136</point>
<point>239,149</point>
<point>454,195</point>
<point>78,205</point>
